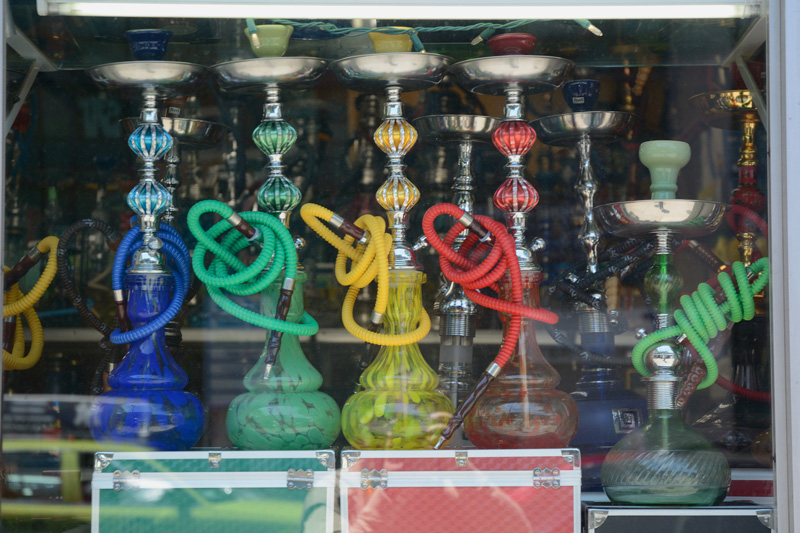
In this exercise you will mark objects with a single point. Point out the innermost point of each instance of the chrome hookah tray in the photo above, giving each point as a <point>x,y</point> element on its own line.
<point>683,218</point>
<point>724,109</point>
<point>496,75</point>
<point>166,77</point>
<point>600,126</point>
<point>456,128</point>
<point>373,73</point>
<point>189,132</point>
<point>256,74</point>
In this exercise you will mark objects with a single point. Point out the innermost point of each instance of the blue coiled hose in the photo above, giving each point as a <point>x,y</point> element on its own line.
<point>178,255</point>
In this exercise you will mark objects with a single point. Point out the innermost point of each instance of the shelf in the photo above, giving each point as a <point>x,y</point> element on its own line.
<point>325,336</point>
<point>82,42</point>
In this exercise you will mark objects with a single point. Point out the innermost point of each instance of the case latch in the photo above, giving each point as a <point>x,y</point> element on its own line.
<point>126,480</point>
<point>374,479</point>
<point>462,458</point>
<point>596,518</point>
<point>214,459</point>
<point>102,460</point>
<point>546,478</point>
<point>351,457</point>
<point>767,517</point>
<point>300,479</point>
<point>326,459</point>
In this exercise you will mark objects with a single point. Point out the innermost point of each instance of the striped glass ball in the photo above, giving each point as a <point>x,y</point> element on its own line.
<point>274,136</point>
<point>514,137</point>
<point>150,141</point>
<point>395,136</point>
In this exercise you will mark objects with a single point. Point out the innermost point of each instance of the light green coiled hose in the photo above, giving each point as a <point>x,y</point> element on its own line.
<point>227,272</point>
<point>701,318</point>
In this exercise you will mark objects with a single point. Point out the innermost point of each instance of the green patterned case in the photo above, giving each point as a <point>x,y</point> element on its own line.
<point>214,490</point>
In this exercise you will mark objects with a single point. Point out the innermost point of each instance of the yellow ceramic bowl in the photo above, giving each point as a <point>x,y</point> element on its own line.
<point>386,43</point>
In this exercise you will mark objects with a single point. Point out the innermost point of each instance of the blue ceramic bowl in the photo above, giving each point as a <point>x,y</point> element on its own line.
<point>581,95</point>
<point>148,45</point>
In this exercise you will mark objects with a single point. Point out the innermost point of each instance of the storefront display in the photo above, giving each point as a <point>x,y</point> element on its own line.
<point>608,241</point>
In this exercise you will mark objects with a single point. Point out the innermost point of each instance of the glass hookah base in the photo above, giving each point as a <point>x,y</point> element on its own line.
<point>662,477</point>
<point>395,420</point>
<point>160,419</point>
<point>511,419</point>
<point>283,421</point>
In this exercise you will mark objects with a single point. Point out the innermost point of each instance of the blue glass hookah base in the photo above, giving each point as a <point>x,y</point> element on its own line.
<point>608,411</point>
<point>159,419</point>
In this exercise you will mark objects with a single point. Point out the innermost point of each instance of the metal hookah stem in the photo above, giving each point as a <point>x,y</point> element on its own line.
<point>586,187</point>
<point>397,195</point>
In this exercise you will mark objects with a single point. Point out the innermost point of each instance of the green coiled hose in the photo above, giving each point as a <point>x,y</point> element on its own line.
<point>227,272</point>
<point>702,318</point>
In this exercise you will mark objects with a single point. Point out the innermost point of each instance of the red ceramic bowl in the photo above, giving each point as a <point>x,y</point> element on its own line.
<point>511,44</point>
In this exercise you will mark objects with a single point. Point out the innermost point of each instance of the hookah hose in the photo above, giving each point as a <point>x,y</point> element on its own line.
<point>16,303</point>
<point>177,253</point>
<point>702,318</point>
<point>459,268</point>
<point>277,252</point>
<point>370,262</point>
<point>623,258</point>
<point>112,239</point>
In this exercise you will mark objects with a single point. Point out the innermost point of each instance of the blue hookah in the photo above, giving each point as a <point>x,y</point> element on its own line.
<point>147,405</point>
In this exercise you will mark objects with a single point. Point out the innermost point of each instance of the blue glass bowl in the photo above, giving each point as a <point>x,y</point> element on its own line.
<point>148,45</point>
<point>581,95</point>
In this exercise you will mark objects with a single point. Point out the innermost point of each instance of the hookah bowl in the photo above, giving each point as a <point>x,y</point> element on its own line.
<point>284,409</point>
<point>398,407</point>
<point>664,462</point>
<point>272,40</point>
<point>581,95</point>
<point>506,44</point>
<point>457,325</point>
<point>148,45</point>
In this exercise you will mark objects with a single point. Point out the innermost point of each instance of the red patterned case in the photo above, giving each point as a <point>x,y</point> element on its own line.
<point>460,491</point>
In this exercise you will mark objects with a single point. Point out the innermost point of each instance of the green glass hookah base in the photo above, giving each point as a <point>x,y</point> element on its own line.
<point>283,421</point>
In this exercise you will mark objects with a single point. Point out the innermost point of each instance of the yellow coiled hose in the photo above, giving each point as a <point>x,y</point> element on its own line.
<point>16,303</point>
<point>368,263</point>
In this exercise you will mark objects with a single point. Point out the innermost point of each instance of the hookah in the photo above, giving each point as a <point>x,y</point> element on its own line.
<point>523,409</point>
<point>398,406</point>
<point>17,305</point>
<point>147,404</point>
<point>457,326</point>
<point>607,409</point>
<point>283,408</point>
<point>664,461</point>
<point>743,418</point>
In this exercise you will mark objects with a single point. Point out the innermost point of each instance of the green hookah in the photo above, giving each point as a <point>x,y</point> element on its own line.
<point>665,462</point>
<point>283,408</point>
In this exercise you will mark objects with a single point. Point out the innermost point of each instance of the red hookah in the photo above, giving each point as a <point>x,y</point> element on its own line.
<point>491,241</point>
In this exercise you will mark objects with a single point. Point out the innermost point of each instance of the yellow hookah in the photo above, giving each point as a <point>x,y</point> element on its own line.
<point>16,303</point>
<point>397,406</point>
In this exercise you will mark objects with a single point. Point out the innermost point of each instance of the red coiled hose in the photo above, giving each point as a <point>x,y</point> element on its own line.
<point>459,267</point>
